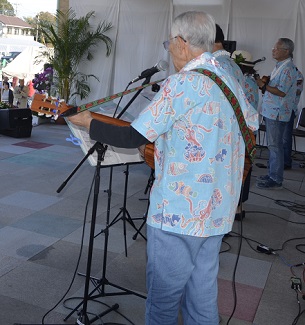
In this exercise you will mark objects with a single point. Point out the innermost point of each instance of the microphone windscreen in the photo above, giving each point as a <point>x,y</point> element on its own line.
<point>162,65</point>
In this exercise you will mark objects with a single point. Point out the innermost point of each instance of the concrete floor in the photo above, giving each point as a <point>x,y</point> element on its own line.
<point>44,238</point>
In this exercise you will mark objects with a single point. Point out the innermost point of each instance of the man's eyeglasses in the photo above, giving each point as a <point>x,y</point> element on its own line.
<point>166,43</point>
<point>279,48</point>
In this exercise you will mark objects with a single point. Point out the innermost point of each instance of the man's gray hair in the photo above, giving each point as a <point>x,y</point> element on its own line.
<point>287,44</point>
<point>196,27</point>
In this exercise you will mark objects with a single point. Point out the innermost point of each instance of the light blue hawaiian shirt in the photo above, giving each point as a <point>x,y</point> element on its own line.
<point>283,77</point>
<point>251,90</point>
<point>230,66</point>
<point>199,151</point>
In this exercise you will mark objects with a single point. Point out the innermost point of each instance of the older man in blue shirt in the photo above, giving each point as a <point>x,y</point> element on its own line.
<point>279,93</point>
<point>199,162</point>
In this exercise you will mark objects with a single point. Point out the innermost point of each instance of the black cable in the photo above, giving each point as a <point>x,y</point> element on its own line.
<point>101,303</point>
<point>287,241</point>
<point>79,256</point>
<point>292,206</point>
<point>274,215</point>
<point>288,189</point>
<point>248,240</point>
<point>225,250</point>
<point>297,318</point>
<point>235,267</point>
<point>298,248</point>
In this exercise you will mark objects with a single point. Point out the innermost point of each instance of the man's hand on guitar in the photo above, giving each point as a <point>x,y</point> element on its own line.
<point>81,119</point>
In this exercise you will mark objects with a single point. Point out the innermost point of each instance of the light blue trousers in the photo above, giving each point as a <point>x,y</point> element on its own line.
<point>274,131</point>
<point>181,273</point>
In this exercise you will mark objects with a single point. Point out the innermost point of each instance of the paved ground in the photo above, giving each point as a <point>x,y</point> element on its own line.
<point>44,237</point>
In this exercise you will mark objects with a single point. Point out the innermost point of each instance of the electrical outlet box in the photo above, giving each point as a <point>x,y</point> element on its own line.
<point>296,283</point>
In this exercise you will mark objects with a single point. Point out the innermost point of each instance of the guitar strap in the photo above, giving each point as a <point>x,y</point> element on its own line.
<point>249,141</point>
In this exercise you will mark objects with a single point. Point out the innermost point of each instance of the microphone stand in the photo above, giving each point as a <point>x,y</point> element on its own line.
<point>146,81</point>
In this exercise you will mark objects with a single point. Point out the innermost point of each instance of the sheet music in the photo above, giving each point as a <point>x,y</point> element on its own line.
<point>113,155</point>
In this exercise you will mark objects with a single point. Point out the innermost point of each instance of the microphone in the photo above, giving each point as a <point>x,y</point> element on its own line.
<point>259,60</point>
<point>161,65</point>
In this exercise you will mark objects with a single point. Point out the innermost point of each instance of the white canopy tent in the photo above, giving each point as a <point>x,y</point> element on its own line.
<point>29,62</point>
<point>16,44</point>
<point>141,26</point>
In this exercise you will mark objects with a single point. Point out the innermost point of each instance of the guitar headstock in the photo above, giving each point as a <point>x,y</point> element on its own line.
<point>50,106</point>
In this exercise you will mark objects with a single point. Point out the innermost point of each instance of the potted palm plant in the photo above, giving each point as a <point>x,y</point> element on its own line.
<point>73,40</point>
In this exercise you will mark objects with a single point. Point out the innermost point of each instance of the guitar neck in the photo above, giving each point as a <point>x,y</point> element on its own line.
<point>54,107</point>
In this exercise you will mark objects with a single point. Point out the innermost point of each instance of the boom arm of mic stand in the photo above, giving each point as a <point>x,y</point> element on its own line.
<point>65,182</point>
<point>146,81</point>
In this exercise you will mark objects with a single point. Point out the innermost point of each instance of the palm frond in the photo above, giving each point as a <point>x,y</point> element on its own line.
<point>73,40</point>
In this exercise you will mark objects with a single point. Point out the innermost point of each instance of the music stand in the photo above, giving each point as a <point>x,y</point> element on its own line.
<point>100,284</point>
<point>123,214</point>
<point>100,149</point>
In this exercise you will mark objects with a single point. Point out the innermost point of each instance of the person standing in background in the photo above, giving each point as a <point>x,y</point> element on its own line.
<point>21,94</point>
<point>224,58</point>
<point>279,94</point>
<point>7,94</point>
<point>287,136</point>
<point>244,60</point>
<point>4,78</point>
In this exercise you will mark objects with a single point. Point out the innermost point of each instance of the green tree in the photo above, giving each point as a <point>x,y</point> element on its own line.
<point>73,40</point>
<point>6,8</point>
<point>43,18</point>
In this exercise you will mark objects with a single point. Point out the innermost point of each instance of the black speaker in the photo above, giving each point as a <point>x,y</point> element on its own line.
<point>16,122</point>
<point>229,46</point>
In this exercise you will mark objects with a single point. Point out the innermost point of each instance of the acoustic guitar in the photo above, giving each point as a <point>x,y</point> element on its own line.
<point>51,106</point>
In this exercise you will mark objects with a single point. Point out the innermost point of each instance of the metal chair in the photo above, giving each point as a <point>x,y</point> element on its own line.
<point>299,132</point>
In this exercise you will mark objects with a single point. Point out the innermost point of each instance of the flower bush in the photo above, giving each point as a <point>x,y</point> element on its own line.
<point>42,84</point>
<point>4,105</point>
<point>43,81</point>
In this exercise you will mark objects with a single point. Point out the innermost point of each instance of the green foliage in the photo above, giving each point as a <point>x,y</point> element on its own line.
<point>239,59</point>
<point>6,8</point>
<point>4,105</point>
<point>41,19</point>
<point>73,40</point>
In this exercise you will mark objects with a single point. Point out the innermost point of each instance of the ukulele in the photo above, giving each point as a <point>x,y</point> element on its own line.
<point>265,79</point>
